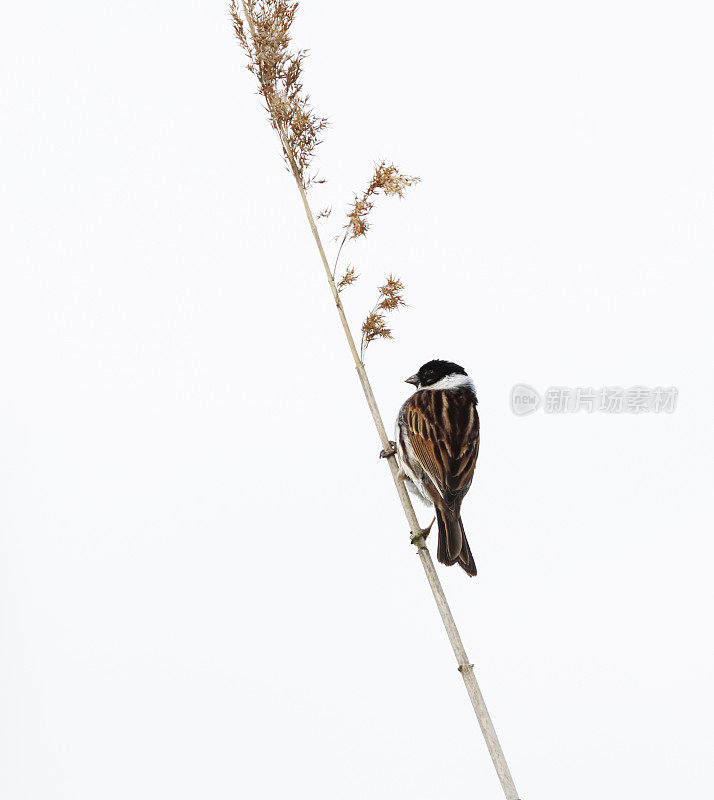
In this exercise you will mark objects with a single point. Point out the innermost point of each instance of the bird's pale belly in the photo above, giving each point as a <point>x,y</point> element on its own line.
<point>414,475</point>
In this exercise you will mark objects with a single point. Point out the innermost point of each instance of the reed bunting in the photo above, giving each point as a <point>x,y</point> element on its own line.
<point>437,443</point>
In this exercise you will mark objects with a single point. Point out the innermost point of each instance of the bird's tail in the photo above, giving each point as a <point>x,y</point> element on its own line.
<point>453,546</point>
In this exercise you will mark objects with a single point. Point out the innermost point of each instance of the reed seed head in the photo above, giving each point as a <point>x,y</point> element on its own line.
<point>347,279</point>
<point>391,297</point>
<point>262,28</point>
<point>390,294</point>
<point>386,178</point>
<point>374,327</point>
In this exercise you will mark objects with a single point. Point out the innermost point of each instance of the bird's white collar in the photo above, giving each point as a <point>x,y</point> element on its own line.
<point>452,382</point>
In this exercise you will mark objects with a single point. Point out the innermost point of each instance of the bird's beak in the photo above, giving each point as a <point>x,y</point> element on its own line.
<point>414,380</point>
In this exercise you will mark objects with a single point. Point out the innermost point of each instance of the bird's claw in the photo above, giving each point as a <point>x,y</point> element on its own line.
<point>422,533</point>
<point>389,453</point>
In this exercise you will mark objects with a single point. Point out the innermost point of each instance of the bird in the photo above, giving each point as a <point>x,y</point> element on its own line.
<point>437,443</point>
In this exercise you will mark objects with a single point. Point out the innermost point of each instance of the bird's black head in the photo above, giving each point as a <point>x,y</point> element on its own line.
<point>433,371</point>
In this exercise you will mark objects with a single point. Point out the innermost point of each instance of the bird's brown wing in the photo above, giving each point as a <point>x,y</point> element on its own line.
<point>443,430</point>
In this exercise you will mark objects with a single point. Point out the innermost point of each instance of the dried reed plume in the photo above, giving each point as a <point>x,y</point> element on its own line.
<point>375,327</point>
<point>390,181</point>
<point>278,71</point>
<point>347,279</point>
<point>263,30</point>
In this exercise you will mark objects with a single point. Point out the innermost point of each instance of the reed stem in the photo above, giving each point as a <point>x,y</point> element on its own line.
<point>465,667</point>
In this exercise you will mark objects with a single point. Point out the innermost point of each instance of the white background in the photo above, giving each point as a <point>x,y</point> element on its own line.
<point>207,589</point>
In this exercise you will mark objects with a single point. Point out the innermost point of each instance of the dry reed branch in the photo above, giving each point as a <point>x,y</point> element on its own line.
<point>347,279</point>
<point>375,327</point>
<point>297,126</point>
<point>278,70</point>
<point>386,178</point>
